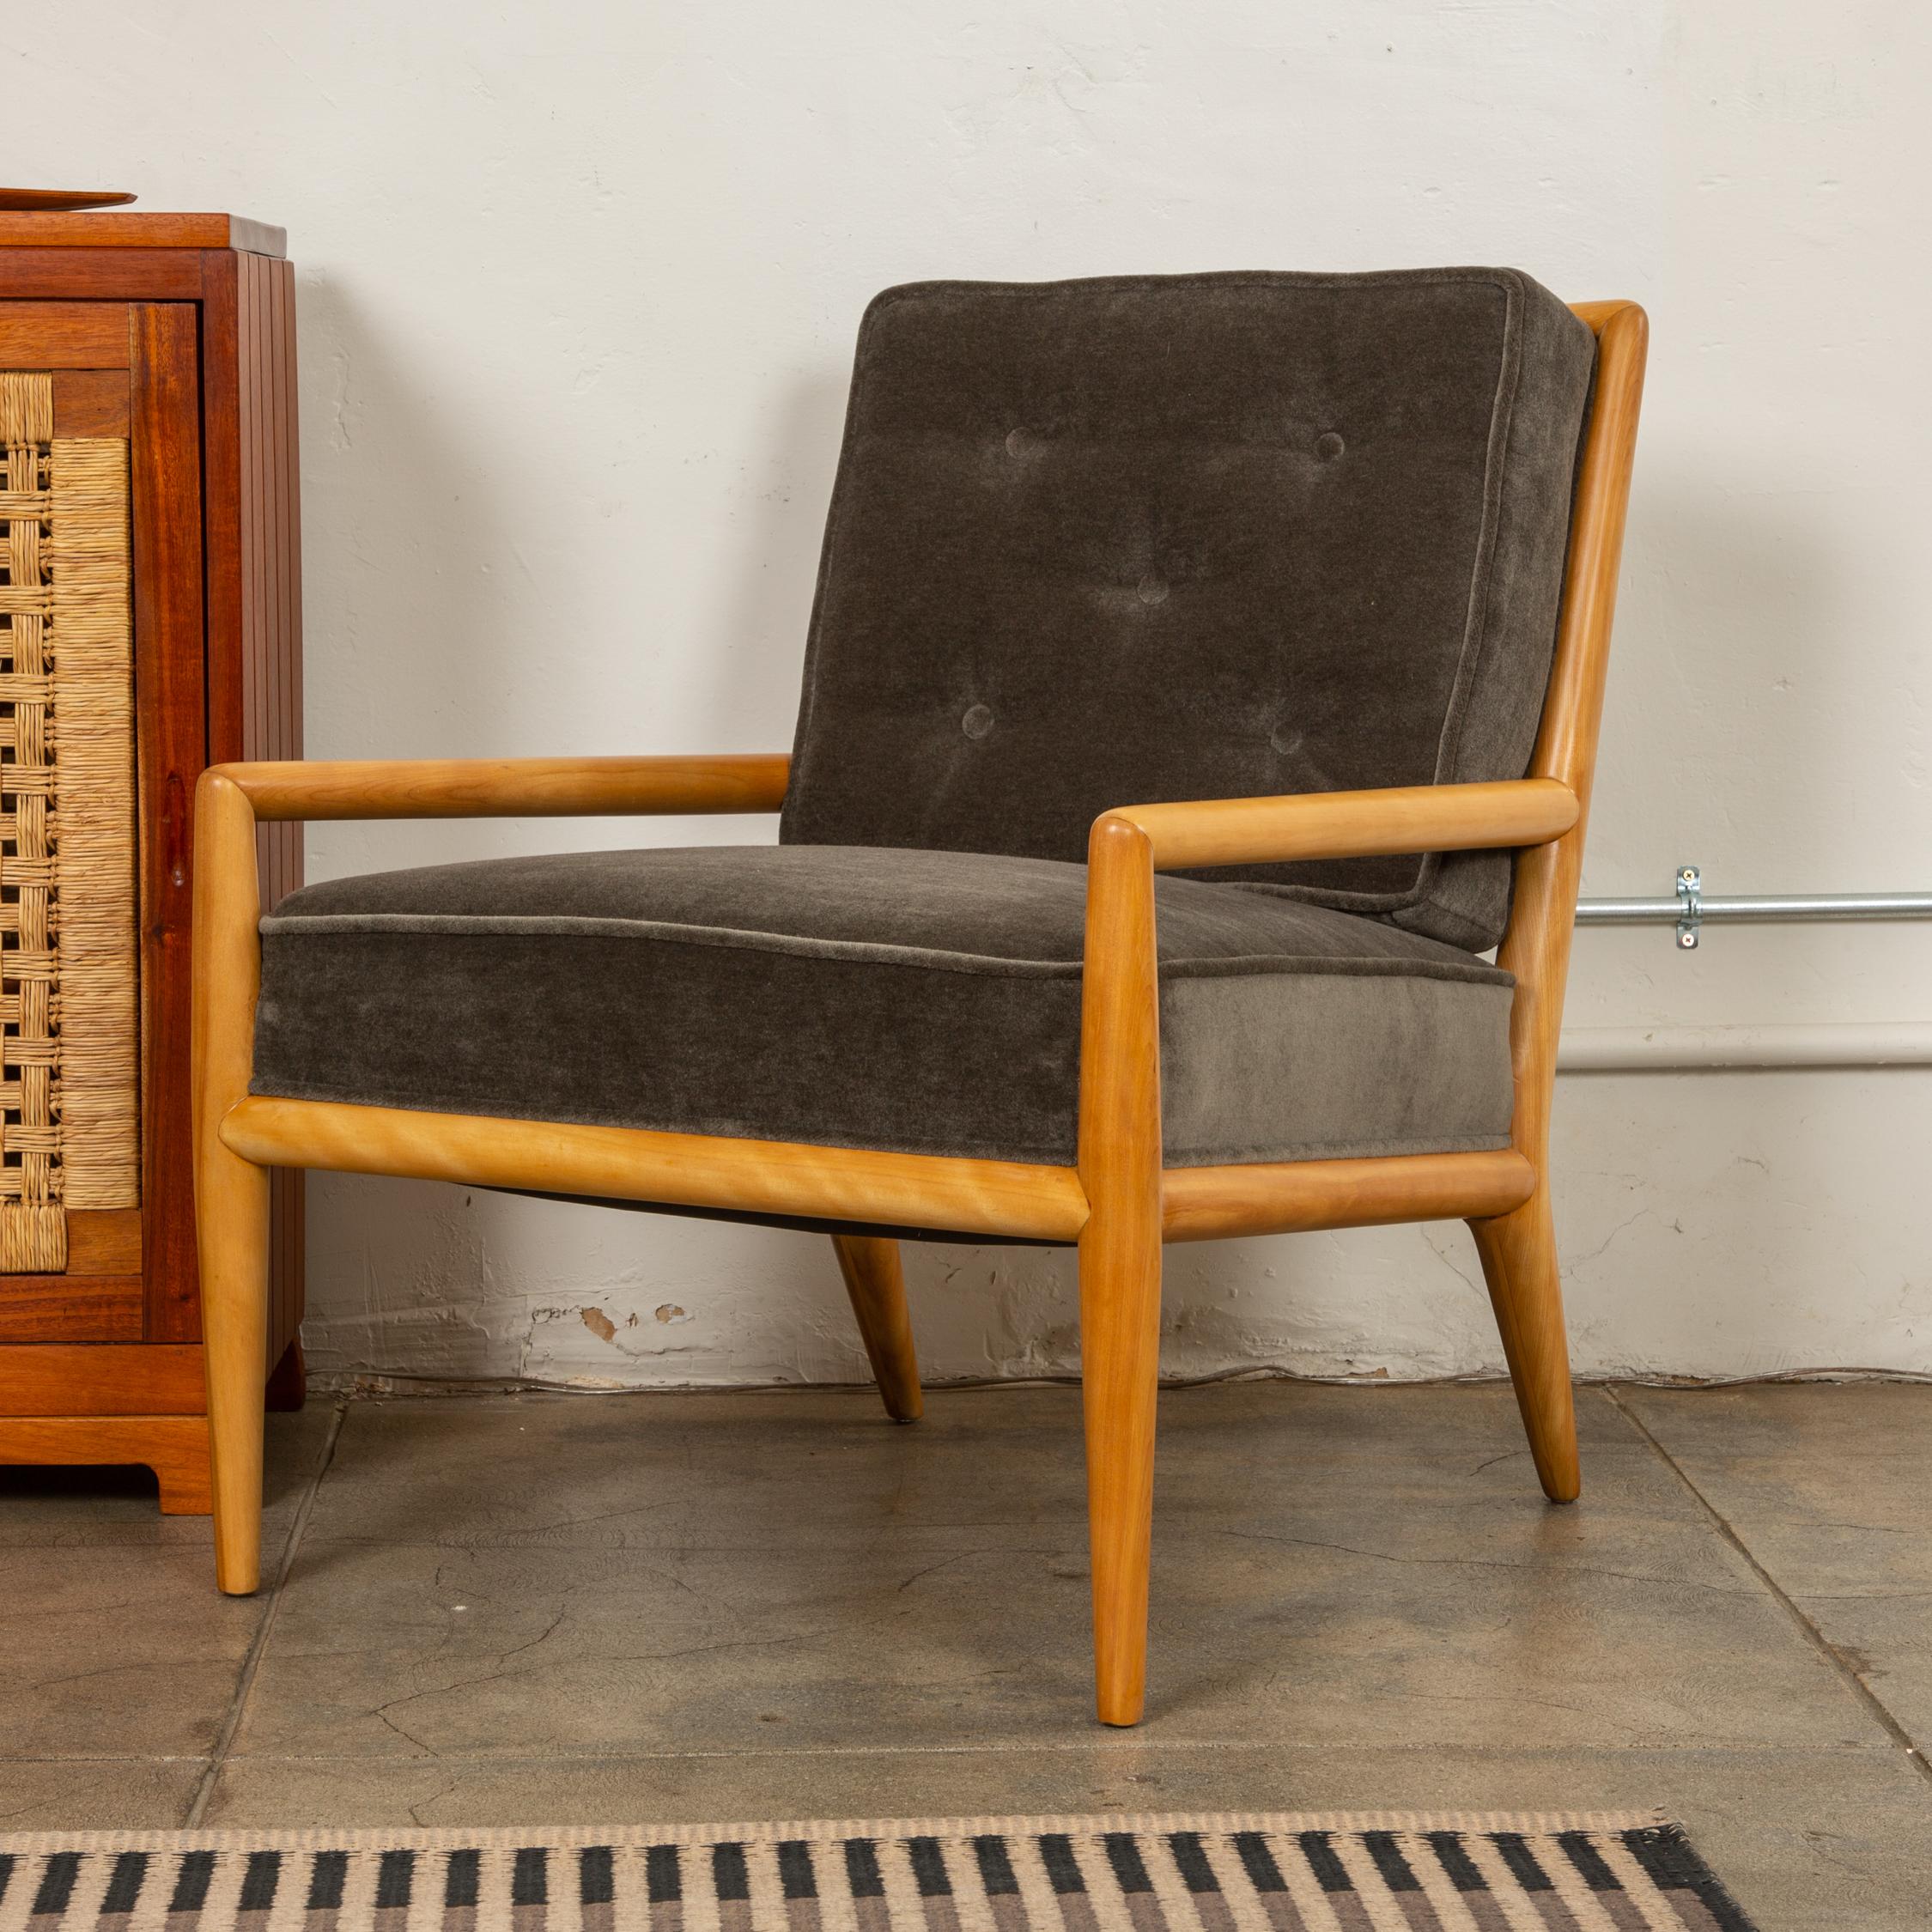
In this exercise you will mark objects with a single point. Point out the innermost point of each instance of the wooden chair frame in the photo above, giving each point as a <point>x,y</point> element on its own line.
<point>1118,1202</point>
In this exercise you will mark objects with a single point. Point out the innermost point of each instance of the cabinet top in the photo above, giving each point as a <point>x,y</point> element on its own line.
<point>119,228</point>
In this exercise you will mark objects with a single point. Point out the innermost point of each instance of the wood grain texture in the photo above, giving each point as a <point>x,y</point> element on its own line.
<point>1120,1168</point>
<point>1354,824</point>
<point>876,1285</point>
<point>90,402</point>
<point>105,1241</point>
<point>44,273</point>
<point>106,1378</point>
<point>64,335</point>
<point>99,1298</point>
<point>631,1163</point>
<point>138,228</point>
<point>74,1307</point>
<point>231,1193</point>
<point>520,787</point>
<point>1294,1197</point>
<point>164,391</point>
<point>175,1447</point>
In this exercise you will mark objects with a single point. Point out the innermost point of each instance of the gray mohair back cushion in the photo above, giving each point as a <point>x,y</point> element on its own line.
<point>1103,543</point>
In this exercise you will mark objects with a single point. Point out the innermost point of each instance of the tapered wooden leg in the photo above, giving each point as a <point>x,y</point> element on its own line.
<point>232,1230</point>
<point>877,1285</point>
<point>231,1194</point>
<point>1120,1368</point>
<point>1519,1258</point>
<point>1119,1160</point>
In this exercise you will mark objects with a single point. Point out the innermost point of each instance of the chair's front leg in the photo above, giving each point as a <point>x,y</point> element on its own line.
<point>231,1194</point>
<point>1119,1159</point>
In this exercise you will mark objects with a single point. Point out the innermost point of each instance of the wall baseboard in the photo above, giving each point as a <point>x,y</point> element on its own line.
<point>1664,1049</point>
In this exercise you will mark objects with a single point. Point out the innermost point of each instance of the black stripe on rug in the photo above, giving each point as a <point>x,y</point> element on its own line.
<point>1262,1873</point>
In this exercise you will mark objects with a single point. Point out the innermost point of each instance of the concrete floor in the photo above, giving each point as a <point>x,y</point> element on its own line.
<point>560,1610</point>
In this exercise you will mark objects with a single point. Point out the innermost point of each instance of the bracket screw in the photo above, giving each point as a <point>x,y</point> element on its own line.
<point>1689,882</point>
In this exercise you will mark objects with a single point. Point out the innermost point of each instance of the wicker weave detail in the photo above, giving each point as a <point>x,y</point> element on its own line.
<point>33,1226</point>
<point>94,711</point>
<point>25,409</point>
<point>68,1054</point>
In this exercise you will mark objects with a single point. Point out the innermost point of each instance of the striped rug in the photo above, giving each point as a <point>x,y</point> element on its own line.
<point>1267,1873</point>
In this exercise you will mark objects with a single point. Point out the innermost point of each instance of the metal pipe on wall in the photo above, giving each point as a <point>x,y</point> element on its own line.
<point>1646,1049</point>
<point>1758,911</point>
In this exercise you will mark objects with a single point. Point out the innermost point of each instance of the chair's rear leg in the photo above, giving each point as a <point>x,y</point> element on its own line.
<point>877,1285</point>
<point>1519,1258</point>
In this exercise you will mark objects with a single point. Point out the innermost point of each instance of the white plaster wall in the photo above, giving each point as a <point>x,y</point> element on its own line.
<point>578,288</point>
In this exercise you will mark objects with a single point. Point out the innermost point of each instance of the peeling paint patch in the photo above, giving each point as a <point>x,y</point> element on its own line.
<point>670,1311</point>
<point>599,1324</point>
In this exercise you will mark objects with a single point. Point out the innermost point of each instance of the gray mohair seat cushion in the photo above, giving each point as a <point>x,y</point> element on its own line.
<point>1144,537</point>
<point>928,1001</point>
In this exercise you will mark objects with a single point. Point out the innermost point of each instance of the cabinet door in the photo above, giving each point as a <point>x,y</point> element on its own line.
<point>99,598</point>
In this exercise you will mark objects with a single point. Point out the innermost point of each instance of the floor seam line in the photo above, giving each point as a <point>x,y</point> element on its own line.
<point>250,1663</point>
<point>1875,1706</point>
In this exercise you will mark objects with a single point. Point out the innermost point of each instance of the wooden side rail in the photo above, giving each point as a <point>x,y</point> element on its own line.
<point>511,788</point>
<point>1354,824</point>
<point>995,1199</point>
<point>1296,1197</point>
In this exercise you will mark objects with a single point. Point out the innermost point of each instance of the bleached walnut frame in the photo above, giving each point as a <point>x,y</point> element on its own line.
<point>1118,1202</point>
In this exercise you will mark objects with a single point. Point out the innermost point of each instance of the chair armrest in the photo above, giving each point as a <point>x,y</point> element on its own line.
<point>509,787</point>
<point>1351,824</point>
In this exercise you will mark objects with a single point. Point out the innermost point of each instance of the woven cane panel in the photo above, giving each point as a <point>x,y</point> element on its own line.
<point>94,716</point>
<point>69,1041</point>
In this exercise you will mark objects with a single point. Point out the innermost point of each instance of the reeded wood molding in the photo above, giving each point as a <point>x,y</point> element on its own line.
<point>992,1197</point>
<point>1354,824</point>
<point>511,788</point>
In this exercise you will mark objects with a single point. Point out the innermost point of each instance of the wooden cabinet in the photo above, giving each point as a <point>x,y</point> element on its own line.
<point>150,523</point>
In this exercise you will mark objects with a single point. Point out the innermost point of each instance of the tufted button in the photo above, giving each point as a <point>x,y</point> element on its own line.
<point>1329,446</point>
<point>1152,589</point>
<point>977,722</point>
<point>1284,739</point>
<point>1025,442</point>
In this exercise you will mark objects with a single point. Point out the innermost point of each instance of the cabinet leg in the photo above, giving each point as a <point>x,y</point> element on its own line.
<point>288,1383</point>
